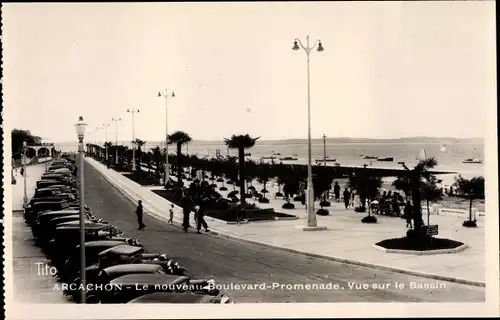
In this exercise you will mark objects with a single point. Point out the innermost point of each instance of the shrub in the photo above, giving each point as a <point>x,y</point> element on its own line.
<point>264,191</point>
<point>232,193</point>
<point>279,194</point>
<point>470,224</point>
<point>229,182</point>
<point>325,203</point>
<point>322,212</point>
<point>220,180</point>
<point>369,219</point>
<point>223,189</point>
<point>263,200</point>
<point>288,205</point>
<point>360,209</point>
<point>297,198</point>
<point>213,185</point>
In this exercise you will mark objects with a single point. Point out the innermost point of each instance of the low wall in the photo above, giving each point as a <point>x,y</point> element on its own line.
<point>438,210</point>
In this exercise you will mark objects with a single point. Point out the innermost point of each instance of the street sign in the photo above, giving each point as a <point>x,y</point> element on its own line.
<point>432,230</point>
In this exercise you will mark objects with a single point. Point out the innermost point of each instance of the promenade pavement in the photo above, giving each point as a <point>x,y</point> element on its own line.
<point>230,261</point>
<point>32,282</point>
<point>346,239</point>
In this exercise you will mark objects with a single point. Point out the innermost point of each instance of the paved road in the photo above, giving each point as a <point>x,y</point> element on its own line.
<point>232,262</point>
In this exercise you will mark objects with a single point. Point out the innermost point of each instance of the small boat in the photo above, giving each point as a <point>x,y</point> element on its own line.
<point>268,158</point>
<point>388,159</point>
<point>370,157</point>
<point>289,158</point>
<point>327,159</point>
<point>474,160</point>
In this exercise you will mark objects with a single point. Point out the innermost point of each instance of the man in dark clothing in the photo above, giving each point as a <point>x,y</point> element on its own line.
<point>408,214</point>
<point>336,191</point>
<point>347,197</point>
<point>186,204</point>
<point>200,220</point>
<point>139,211</point>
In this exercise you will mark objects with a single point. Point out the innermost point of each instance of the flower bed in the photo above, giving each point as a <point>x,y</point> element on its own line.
<point>142,178</point>
<point>218,210</point>
<point>431,244</point>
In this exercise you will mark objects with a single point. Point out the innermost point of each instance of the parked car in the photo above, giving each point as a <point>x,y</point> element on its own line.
<point>99,277</point>
<point>68,197</point>
<point>66,237</point>
<point>43,219</point>
<point>32,211</point>
<point>61,188</point>
<point>47,183</point>
<point>70,267</point>
<point>131,286</point>
<point>175,297</point>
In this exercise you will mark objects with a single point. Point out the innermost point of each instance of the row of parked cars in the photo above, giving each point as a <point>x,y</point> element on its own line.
<point>119,269</point>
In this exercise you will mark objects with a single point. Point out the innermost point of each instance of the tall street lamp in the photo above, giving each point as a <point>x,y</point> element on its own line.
<point>166,95</point>
<point>80,132</point>
<point>133,111</point>
<point>105,127</point>
<point>311,224</point>
<point>116,120</point>
<point>25,197</point>
<point>324,149</point>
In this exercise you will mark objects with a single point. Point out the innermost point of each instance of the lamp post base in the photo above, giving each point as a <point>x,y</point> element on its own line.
<point>316,228</point>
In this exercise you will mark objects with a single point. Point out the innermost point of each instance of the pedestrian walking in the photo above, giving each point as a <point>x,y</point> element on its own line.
<point>347,197</point>
<point>200,218</point>
<point>171,213</point>
<point>336,191</point>
<point>139,212</point>
<point>186,204</point>
<point>22,172</point>
<point>408,214</point>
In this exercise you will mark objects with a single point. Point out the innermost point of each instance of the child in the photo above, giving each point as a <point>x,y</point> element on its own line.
<point>171,211</point>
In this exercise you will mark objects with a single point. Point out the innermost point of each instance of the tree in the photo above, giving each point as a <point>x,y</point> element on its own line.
<point>138,154</point>
<point>17,138</point>
<point>430,192</point>
<point>179,138</point>
<point>403,184</point>
<point>241,142</point>
<point>157,159</point>
<point>415,176</point>
<point>108,145</point>
<point>366,184</point>
<point>472,189</point>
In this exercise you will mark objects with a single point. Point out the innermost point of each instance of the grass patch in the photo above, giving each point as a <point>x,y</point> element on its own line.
<point>219,209</point>
<point>142,178</point>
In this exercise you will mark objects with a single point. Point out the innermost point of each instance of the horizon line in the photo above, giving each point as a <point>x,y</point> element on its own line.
<point>327,138</point>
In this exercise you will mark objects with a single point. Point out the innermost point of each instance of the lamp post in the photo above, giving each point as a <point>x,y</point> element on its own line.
<point>166,95</point>
<point>324,149</point>
<point>25,197</point>
<point>133,111</point>
<point>105,127</point>
<point>311,224</point>
<point>116,120</point>
<point>80,132</point>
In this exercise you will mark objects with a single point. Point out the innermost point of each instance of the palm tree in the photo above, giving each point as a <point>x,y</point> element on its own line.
<point>138,154</point>
<point>241,142</point>
<point>107,145</point>
<point>430,192</point>
<point>472,189</point>
<point>419,172</point>
<point>179,138</point>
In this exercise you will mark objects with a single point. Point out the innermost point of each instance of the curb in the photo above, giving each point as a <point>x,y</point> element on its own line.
<point>227,235</point>
<point>421,253</point>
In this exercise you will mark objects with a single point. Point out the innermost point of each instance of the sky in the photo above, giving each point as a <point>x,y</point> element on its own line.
<point>389,69</point>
